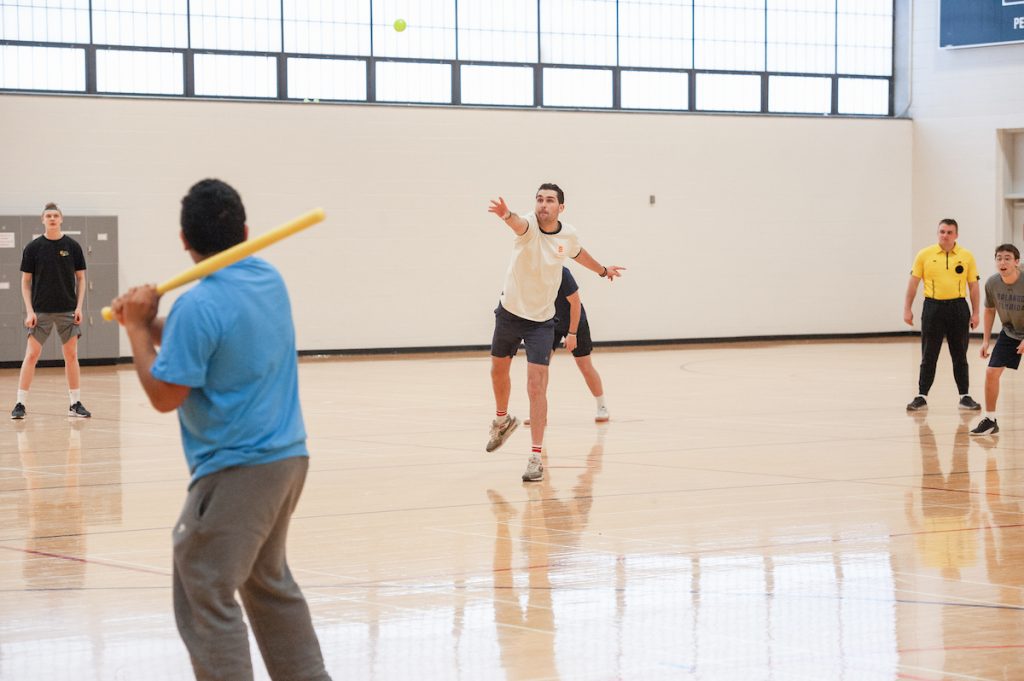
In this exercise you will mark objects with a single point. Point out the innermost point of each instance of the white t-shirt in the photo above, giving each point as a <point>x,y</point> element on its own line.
<point>535,273</point>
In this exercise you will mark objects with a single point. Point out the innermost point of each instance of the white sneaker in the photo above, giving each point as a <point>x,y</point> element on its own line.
<point>602,415</point>
<point>534,470</point>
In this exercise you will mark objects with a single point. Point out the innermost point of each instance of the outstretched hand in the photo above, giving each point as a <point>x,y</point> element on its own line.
<point>499,207</point>
<point>614,271</point>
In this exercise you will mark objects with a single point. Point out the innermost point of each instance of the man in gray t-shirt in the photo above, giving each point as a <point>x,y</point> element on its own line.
<point>1004,293</point>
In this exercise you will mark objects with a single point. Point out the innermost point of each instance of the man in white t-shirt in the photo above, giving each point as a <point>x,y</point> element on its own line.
<point>527,310</point>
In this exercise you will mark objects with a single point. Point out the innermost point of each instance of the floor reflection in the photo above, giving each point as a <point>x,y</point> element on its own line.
<point>948,506</point>
<point>1004,563</point>
<point>551,525</point>
<point>70,481</point>
<point>967,538</point>
<point>1004,538</point>
<point>55,544</point>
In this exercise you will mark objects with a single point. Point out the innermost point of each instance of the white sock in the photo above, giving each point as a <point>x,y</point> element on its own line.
<point>990,415</point>
<point>600,402</point>
<point>23,396</point>
<point>76,395</point>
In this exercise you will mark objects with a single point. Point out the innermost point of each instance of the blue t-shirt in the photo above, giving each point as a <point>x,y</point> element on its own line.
<point>231,339</point>
<point>562,307</point>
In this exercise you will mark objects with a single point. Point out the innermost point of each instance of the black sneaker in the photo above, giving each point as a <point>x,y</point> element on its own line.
<point>79,411</point>
<point>917,404</point>
<point>18,412</point>
<point>986,426</point>
<point>967,403</point>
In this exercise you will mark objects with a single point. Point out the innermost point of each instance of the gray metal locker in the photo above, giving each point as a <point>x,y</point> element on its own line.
<point>101,337</point>
<point>100,246</point>
<point>97,235</point>
<point>12,308</point>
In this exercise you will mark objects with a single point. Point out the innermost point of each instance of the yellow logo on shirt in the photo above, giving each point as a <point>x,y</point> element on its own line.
<point>64,254</point>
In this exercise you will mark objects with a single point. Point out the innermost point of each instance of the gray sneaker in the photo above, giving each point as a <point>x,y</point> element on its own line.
<point>969,404</point>
<point>917,404</point>
<point>18,412</point>
<point>534,470</point>
<point>500,432</point>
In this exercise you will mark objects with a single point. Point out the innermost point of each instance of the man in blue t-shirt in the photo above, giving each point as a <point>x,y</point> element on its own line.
<point>245,442</point>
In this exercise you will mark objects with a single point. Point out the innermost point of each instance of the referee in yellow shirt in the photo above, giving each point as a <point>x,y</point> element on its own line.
<point>949,274</point>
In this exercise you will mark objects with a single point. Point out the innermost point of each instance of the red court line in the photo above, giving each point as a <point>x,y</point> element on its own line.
<point>87,561</point>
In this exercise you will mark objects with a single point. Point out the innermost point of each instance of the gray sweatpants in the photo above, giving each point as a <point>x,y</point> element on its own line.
<point>231,537</point>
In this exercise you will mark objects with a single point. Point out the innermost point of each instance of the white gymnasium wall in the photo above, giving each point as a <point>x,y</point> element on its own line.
<point>959,100</point>
<point>761,226</point>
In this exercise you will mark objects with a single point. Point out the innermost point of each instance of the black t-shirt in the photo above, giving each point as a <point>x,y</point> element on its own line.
<point>52,265</point>
<point>562,307</point>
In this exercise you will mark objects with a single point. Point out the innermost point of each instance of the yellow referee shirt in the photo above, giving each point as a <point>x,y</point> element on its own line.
<point>945,275</point>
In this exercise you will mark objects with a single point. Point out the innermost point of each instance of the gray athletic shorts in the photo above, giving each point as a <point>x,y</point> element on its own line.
<point>64,321</point>
<point>509,330</point>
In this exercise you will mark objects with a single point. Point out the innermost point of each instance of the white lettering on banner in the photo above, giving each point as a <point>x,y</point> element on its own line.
<point>1018,23</point>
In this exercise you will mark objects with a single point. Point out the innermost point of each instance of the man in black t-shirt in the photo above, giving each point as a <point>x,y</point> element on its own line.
<point>53,288</point>
<point>571,324</point>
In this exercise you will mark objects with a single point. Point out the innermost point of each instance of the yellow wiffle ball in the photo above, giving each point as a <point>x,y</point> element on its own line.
<point>400,25</point>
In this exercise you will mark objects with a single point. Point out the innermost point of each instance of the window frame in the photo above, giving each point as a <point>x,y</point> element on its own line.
<point>455,65</point>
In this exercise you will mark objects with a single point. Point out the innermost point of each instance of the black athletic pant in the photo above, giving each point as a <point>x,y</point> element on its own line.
<point>950,320</point>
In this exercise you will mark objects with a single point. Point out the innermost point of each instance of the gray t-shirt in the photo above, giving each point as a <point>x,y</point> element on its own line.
<point>1008,300</point>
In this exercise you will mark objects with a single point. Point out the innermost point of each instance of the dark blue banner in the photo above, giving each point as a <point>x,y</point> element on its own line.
<point>963,23</point>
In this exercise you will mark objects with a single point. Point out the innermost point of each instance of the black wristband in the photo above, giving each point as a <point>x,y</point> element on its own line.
<point>605,273</point>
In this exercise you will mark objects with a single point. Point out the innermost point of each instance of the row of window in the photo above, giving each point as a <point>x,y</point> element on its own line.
<point>778,56</point>
<point>849,37</point>
<point>228,75</point>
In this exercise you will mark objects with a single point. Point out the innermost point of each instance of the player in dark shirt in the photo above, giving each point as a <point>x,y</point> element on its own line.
<point>571,324</point>
<point>53,288</point>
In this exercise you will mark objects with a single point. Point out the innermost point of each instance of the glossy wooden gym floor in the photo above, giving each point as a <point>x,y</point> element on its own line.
<point>751,512</point>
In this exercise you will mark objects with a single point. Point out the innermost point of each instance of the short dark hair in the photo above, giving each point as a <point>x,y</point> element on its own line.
<point>951,222</point>
<point>1008,248</point>
<point>52,206</point>
<point>555,188</point>
<point>212,217</point>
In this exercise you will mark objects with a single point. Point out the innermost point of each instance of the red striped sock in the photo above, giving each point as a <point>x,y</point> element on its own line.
<point>536,450</point>
<point>501,414</point>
